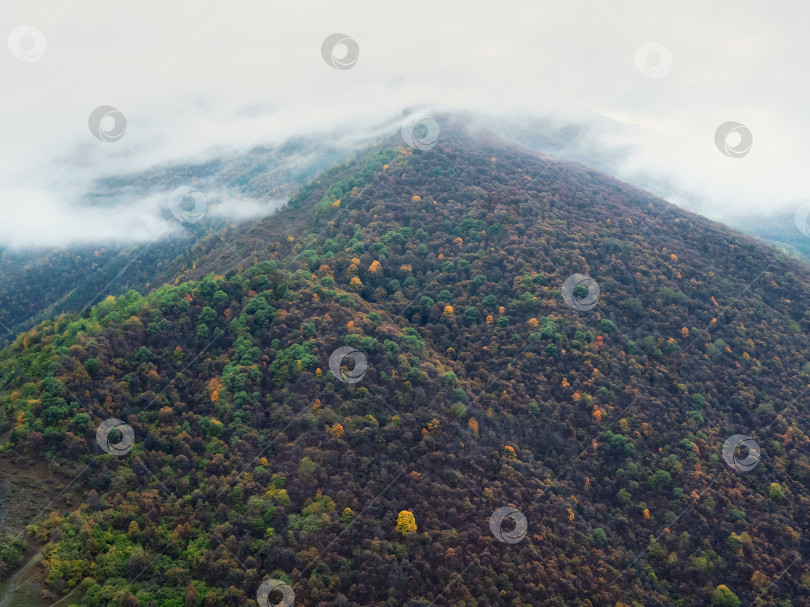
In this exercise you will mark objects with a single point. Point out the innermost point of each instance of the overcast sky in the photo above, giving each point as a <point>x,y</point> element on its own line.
<point>190,75</point>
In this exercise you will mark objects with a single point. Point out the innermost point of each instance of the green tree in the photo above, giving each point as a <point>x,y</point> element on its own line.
<point>723,597</point>
<point>776,492</point>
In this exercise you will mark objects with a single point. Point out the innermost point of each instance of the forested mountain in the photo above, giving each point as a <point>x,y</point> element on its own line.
<point>596,407</point>
<point>39,283</point>
<point>588,143</point>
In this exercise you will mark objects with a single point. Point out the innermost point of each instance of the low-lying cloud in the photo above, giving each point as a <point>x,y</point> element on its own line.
<point>218,78</point>
<point>48,222</point>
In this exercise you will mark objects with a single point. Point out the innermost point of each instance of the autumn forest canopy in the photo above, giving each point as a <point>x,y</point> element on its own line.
<point>595,411</point>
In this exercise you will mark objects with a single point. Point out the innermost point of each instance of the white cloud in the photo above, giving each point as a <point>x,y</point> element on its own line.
<point>191,76</point>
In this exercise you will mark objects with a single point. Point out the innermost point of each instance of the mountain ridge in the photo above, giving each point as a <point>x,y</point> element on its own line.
<point>485,388</point>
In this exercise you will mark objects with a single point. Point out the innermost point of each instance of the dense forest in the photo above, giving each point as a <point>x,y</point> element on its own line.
<point>599,423</point>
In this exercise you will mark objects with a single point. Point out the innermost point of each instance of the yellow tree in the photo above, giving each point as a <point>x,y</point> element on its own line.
<point>406,523</point>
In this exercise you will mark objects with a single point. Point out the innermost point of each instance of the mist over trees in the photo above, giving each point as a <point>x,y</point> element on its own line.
<point>484,388</point>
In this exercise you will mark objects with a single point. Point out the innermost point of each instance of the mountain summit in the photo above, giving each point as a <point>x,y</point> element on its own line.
<point>463,375</point>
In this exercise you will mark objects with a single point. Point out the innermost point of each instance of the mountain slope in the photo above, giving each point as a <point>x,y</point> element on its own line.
<point>38,283</point>
<point>445,268</point>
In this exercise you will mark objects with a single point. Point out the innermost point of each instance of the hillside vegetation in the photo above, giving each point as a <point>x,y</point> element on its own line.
<point>445,269</point>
